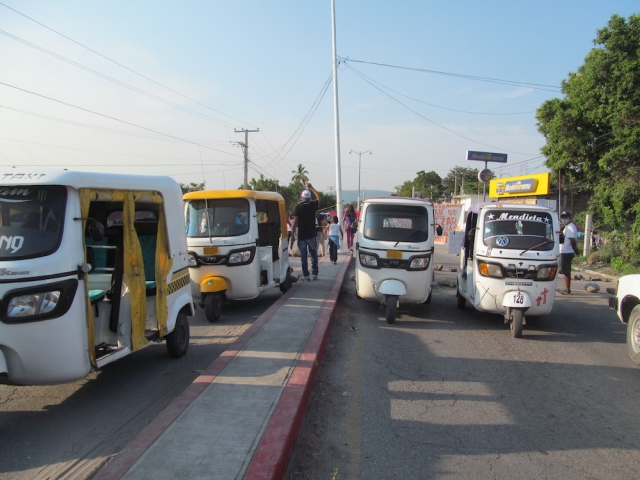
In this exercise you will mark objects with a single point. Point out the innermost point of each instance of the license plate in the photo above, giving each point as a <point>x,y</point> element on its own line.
<point>211,250</point>
<point>394,254</point>
<point>518,298</point>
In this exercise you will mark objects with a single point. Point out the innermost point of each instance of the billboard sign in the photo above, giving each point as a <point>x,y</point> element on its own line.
<point>487,156</point>
<point>524,186</point>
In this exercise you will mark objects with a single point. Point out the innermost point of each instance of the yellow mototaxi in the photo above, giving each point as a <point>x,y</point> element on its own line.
<point>93,267</point>
<point>237,242</point>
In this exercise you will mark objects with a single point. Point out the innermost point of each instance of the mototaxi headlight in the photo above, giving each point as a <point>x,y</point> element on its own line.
<point>490,269</point>
<point>368,260</point>
<point>239,257</point>
<point>419,263</point>
<point>191,259</point>
<point>547,273</point>
<point>32,304</point>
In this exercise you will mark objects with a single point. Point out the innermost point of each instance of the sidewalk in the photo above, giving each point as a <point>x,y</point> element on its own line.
<point>240,417</point>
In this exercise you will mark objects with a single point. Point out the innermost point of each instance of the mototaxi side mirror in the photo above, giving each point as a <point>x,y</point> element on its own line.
<point>438,230</point>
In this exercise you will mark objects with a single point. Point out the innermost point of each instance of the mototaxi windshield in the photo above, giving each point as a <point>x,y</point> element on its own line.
<point>518,230</point>
<point>396,223</point>
<point>31,220</point>
<point>217,218</point>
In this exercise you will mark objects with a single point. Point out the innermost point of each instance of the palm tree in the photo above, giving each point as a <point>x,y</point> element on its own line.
<point>300,175</point>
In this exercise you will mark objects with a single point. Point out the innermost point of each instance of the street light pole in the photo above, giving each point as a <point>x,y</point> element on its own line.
<point>359,164</point>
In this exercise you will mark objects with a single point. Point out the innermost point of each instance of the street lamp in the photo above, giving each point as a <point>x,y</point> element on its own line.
<point>359,163</point>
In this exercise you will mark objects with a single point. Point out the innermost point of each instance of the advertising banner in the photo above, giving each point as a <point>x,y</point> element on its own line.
<point>449,217</point>
<point>526,185</point>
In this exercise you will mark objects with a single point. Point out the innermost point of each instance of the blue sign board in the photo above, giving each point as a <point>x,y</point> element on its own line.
<point>487,156</point>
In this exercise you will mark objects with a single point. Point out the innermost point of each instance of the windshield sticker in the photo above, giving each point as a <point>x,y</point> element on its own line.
<point>519,227</point>
<point>528,217</point>
<point>15,192</point>
<point>13,243</point>
<point>502,241</point>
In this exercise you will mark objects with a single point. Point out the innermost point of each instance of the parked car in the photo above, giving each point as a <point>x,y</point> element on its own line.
<point>626,302</point>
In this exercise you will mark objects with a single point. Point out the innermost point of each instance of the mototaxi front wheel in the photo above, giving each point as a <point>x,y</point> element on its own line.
<point>517,320</point>
<point>391,310</point>
<point>213,306</point>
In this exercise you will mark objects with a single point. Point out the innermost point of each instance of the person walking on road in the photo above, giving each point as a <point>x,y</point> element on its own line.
<point>304,230</point>
<point>320,228</point>
<point>335,235</point>
<point>349,218</point>
<point>568,249</point>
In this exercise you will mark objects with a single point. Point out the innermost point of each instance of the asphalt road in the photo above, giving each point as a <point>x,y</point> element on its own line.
<point>69,431</point>
<point>449,393</point>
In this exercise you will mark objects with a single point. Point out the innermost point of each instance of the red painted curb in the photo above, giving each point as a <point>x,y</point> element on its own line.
<point>271,457</point>
<point>117,466</point>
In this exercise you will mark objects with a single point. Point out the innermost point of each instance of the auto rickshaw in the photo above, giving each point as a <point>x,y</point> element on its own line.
<point>509,261</point>
<point>394,252</point>
<point>237,246</point>
<point>93,267</point>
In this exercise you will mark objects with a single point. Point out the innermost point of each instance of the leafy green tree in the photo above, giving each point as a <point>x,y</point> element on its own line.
<point>461,180</point>
<point>328,201</point>
<point>593,132</point>
<point>263,184</point>
<point>426,184</point>
<point>405,189</point>
<point>192,187</point>
<point>300,175</point>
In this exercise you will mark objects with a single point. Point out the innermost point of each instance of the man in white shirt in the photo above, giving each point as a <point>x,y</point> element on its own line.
<point>568,249</point>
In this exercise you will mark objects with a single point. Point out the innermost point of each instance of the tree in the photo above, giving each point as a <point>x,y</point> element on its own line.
<point>300,175</point>
<point>192,187</point>
<point>426,184</point>
<point>263,184</point>
<point>461,180</point>
<point>593,132</point>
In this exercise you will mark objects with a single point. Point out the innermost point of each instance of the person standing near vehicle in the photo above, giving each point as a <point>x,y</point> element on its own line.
<point>335,235</point>
<point>304,229</point>
<point>568,249</point>
<point>349,218</point>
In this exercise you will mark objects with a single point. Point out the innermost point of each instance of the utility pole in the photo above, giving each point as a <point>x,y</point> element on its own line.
<point>245,149</point>
<point>359,165</point>
<point>336,116</point>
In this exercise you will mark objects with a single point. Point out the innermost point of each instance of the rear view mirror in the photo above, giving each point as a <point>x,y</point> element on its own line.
<point>95,229</point>
<point>438,230</point>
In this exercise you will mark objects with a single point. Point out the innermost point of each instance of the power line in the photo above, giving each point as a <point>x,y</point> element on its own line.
<point>535,86</point>
<point>438,106</point>
<point>428,119</point>
<point>114,130</point>
<point>173,159</point>
<point>114,80</point>
<point>121,65</point>
<point>105,116</point>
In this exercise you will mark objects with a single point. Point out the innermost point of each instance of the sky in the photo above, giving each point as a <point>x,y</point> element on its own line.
<point>163,87</point>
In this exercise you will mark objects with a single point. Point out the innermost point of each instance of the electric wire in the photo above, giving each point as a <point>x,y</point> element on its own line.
<point>124,66</point>
<point>20,144</point>
<point>116,81</point>
<point>133,155</point>
<point>111,130</point>
<point>109,117</point>
<point>439,106</point>
<point>535,86</point>
<point>431,121</point>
